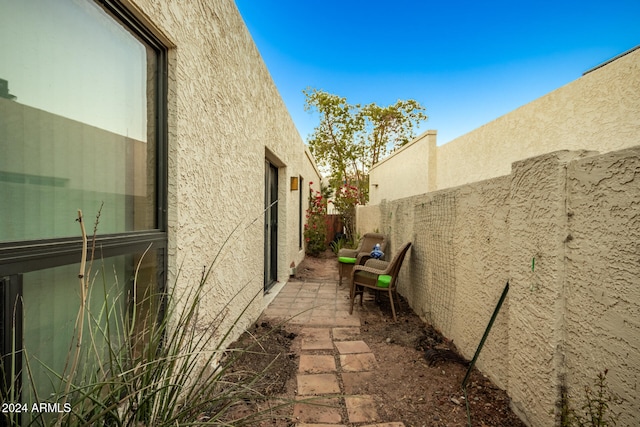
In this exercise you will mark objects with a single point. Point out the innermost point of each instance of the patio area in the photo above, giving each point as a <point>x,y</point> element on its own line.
<point>333,359</point>
<point>364,370</point>
<point>313,303</point>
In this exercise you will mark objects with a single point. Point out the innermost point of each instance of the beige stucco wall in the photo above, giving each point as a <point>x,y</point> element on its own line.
<point>537,230</point>
<point>603,276</point>
<point>225,118</point>
<point>411,170</point>
<point>369,219</point>
<point>572,313</point>
<point>457,266</point>
<point>597,112</point>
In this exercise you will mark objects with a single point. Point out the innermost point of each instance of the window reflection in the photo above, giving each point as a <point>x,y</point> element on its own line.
<point>77,121</point>
<point>51,300</point>
<point>71,59</point>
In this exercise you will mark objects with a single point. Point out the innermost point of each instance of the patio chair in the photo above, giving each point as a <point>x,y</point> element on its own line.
<point>379,276</point>
<point>347,258</point>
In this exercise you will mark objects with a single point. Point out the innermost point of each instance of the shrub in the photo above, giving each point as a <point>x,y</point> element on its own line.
<point>345,200</point>
<point>595,410</point>
<point>315,230</point>
<point>338,244</point>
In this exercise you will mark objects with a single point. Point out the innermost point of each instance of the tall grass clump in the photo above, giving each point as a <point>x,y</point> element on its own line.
<point>145,360</point>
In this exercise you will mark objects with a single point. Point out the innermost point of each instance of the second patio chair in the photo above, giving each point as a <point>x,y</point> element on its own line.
<point>378,276</point>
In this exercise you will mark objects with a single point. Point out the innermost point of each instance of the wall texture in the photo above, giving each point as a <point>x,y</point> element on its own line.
<point>457,266</point>
<point>603,275</point>
<point>563,228</point>
<point>225,118</point>
<point>537,230</point>
<point>411,170</point>
<point>598,112</point>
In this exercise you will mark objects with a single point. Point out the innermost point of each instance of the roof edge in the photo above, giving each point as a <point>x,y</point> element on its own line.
<point>611,60</point>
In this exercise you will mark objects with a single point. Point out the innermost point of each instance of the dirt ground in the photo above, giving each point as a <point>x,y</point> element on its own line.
<point>419,375</point>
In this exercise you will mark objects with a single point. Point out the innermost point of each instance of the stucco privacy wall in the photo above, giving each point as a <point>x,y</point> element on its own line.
<point>225,118</point>
<point>598,111</point>
<point>537,231</point>
<point>603,275</point>
<point>457,266</point>
<point>563,228</point>
<point>411,170</point>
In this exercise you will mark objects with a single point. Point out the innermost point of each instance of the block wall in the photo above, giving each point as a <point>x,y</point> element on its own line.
<point>563,228</point>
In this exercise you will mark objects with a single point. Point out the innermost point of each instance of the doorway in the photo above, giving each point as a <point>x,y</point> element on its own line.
<point>270,225</point>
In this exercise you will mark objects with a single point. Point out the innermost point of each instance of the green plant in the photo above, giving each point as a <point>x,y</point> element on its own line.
<point>336,245</point>
<point>346,198</point>
<point>595,411</point>
<point>315,230</point>
<point>354,241</point>
<point>157,363</point>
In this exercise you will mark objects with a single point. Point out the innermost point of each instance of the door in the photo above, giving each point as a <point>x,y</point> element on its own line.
<point>270,225</point>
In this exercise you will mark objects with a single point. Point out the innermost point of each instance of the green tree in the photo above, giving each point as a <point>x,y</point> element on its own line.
<point>351,138</point>
<point>333,140</point>
<point>389,128</point>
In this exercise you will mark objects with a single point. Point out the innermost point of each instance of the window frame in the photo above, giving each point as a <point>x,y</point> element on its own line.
<point>20,257</point>
<point>30,255</point>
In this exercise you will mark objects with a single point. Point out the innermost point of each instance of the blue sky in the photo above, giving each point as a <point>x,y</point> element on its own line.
<point>467,62</point>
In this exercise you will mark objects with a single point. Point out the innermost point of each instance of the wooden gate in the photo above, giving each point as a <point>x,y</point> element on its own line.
<point>334,226</point>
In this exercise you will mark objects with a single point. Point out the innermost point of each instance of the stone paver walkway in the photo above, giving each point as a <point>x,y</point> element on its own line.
<point>334,363</point>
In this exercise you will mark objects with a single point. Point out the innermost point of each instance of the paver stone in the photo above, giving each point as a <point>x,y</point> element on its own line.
<point>357,362</point>
<point>322,411</point>
<point>361,409</point>
<point>315,364</point>
<point>313,384</point>
<point>349,347</point>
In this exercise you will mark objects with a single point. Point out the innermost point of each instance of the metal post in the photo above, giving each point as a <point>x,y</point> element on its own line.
<point>475,356</point>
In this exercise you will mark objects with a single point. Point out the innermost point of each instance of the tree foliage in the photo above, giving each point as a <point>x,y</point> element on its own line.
<point>389,128</point>
<point>351,138</point>
<point>333,140</point>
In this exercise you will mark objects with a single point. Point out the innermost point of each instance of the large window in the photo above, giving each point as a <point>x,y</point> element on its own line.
<point>82,125</point>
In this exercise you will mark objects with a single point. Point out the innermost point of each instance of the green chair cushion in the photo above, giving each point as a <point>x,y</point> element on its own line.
<point>347,260</point>
<point>383,281</point>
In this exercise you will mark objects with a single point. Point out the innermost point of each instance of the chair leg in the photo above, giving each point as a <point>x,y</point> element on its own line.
<point>393,309</point>
<point>395,291</point>
<point>352,297</point>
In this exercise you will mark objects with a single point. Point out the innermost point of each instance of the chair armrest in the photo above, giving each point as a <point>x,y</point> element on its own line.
<point>378,264</point>
<point>369,267</point>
